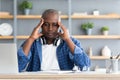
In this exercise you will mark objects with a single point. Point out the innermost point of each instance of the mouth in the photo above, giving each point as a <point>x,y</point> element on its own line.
<point>50,34</point>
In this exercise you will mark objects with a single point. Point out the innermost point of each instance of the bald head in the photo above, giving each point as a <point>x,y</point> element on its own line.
<point>49,12</point>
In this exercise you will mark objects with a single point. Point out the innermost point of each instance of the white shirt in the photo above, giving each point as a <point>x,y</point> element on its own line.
<point>49,58</point>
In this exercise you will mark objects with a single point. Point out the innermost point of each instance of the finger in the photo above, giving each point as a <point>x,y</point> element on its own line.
<point>60,34</point>
<point>40,34</point>
<point>40,23</point>
<point>62,26</point>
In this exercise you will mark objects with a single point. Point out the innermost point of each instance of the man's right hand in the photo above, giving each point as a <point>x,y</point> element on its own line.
<point>36,34</point>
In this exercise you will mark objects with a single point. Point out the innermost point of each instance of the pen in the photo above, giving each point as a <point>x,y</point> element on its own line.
<point>118,56</point>
<point>109,68</point>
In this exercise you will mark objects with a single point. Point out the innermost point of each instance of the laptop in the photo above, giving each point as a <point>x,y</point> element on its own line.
<point>8,58</point>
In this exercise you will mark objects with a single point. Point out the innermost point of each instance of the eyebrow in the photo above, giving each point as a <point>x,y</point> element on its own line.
<point>52,22</point>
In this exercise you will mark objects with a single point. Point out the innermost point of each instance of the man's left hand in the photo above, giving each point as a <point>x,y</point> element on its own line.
<point>65,35</point>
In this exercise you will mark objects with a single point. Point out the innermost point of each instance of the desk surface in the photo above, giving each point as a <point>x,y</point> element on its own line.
<point>61,76</point>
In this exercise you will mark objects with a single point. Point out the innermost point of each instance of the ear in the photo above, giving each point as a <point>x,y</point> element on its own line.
<point>59,19</point>
<point>59,16</point>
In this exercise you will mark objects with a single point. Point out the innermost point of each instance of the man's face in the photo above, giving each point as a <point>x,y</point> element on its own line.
<point>50,26</point>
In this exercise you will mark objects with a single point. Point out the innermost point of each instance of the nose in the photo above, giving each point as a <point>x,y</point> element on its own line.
<point>50,27</point>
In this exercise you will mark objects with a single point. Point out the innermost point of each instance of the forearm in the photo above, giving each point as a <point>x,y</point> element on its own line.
<point>71,45</point>
<point>27,45</point>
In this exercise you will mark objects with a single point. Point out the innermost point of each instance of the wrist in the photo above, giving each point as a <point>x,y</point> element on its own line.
<point>67,39</point>
<point>31,38</point>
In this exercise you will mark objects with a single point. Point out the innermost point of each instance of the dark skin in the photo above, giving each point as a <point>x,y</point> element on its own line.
<point>49,26</point>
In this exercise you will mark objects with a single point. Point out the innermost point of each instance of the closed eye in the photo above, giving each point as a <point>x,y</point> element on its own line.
<point>46,24</point>
<point>55,24</point>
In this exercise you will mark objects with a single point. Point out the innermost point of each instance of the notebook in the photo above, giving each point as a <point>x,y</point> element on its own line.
<point>8,58</point>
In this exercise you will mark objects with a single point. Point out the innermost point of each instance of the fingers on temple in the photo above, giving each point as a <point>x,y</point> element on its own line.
<point>62,26</point>
<point>40,23</point>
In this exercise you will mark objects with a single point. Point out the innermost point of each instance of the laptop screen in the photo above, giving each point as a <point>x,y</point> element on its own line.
<point>8,58</point>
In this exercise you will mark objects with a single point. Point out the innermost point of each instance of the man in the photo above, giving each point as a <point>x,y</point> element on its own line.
<point>50,49</point>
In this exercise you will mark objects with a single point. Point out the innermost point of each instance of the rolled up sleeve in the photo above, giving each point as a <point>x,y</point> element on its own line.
<point>79,57</point>
<point>23,60</point>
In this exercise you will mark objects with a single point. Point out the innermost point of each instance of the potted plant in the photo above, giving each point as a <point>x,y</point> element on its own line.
<point>87,27</point>
<point>105,30</point>
<point>25,6</point>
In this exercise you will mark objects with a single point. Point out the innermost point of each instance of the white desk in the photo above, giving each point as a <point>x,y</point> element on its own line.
<point>61,76</point>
